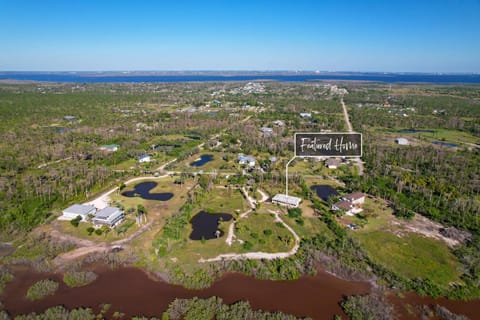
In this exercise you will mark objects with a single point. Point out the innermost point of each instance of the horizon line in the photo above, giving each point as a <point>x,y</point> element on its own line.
<point>244,71</point>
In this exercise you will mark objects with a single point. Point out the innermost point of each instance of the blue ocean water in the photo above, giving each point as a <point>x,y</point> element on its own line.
<point>89,77</point>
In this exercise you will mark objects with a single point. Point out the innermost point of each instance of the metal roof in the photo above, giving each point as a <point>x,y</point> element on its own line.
<point>80,209</point>
<point>106,212</point>
<point>283,198</point>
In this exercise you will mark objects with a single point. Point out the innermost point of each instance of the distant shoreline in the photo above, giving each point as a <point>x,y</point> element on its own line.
<point>234,76</point>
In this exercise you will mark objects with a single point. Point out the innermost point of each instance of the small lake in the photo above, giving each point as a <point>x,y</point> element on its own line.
<point>204,158</point>
<point>324,191</point>
<point>415,131</point>
<point>205,225</point>
<point>444,144</point>
<point>143,190</point>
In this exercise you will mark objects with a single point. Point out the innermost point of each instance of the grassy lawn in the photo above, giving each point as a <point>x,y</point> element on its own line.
<point>409,254</point>
<point>253,229</point>
<point>412,256</point>
<point>309,167</point>
<point>221,200</point>
<point>112,235</point>
<point>126,165</point>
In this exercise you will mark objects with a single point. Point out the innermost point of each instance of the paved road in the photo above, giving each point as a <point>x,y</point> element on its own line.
<point>357,161</point>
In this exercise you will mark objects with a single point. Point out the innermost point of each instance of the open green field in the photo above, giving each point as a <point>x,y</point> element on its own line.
<point>412,255</point>
<point>409,254</point>
<point>222,200</point>
<point>263,233</point>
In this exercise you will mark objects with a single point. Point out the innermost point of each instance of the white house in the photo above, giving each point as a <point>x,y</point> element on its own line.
<point>144,158</point>
<point>243,159</point>
<point>284,200</point>
<point>76,210</point>
<point>349,208</point>
<point>266,130</point>
<point>304,115</point>
<point>401,141</point>
<point>333,163</point>
<point>279,123</point>
<point>350,204</point>
<point>356,198</point>
<point>109,147</point>
<point>109,216</point>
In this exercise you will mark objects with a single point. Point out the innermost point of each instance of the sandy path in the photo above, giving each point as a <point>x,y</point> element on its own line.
<point>261,255</point>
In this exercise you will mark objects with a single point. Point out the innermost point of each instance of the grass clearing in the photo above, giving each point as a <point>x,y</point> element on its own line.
<point>413,256</point>
<point>409,254</point>
<point>254,228</point>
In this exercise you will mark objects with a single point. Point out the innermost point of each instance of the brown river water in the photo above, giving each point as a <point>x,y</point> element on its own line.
<point>133,292</point>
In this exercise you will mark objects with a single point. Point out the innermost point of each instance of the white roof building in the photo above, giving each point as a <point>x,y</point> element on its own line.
<point>401,141</point>
<point>76,210</point>
<point>284,200</point>
<point>243,159</point>
<point>144,158</point>
<point>305,115</point>
<point>109,216</point>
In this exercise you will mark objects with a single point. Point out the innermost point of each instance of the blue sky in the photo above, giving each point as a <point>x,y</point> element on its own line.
<point>367,35</point>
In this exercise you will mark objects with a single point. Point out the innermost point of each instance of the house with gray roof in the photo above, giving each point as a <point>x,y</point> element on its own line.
<point>76,210</point>
<point>109,216</point>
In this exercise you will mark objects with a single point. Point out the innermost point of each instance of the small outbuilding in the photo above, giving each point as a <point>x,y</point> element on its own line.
<point>402,141</point>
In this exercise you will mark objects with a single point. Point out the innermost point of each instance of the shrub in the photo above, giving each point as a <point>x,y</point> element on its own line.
<point>294,212</point>
<point>90,230</point>
<point>75,222</point>
<point>247,245</point>
<point>267,232</point>
<point>98,232</point>
<point>78,278</point>
<point>42,289</point>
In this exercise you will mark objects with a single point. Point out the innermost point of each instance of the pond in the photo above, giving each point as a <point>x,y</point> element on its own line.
<point>416,130</point>
<point>205,225</point>
<point>204,158</point>
<point>324,191</point>
<point>143,190</point>
<point>444,144</point>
